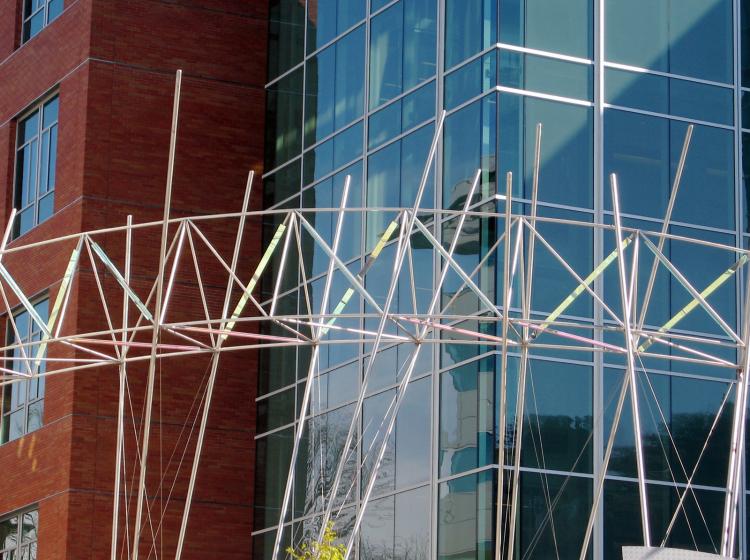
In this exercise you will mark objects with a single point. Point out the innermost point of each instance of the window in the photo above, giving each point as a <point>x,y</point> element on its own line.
<point>18,535</point>
<point>23,402</point>
<point>37,14</point>
<point>36,156</point>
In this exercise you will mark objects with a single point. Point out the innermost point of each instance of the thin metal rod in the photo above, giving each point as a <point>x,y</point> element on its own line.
<point>309,381</point>
<point>212,376</point>
<point>666,224</point>
<point>630,344</point>
<point>119,474</point>
<point>404,384</point>
<point>693,292</point>
<point>500,507</point>
<point>157,317</point>
<point>737,451</point>
<point>526,312</point>
<point>398,262</point>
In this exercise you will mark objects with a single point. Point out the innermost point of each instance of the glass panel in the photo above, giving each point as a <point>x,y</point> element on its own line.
<point>669,35</point>
<point>466,517</point>
<point>469,143</point>
<point>328,18</point>
<point>283,119</point>
<point>272,465</point>
<point>54,9</point>
<point>281,185</point>
<point>697,527</point>
<point>644,152</point>
<point>286,35</point>
<point>275,411</point>
<point>332,154</point>
<point>418,106</point>
<point>559,417</point>
<point>384,124</point>
<point>470,27</point>
<point>393,178</point>
<point>34,25</point>
<point>319,454</point>
<point>563,26</point>
<point>17,424</point>
<point>376,538</point>
<point>545,75</point>
<point>402,47</point>
<point>467,419</point>
<point>9,533</point>
<point>566,166</point>
<point>29,527</point>
<point>35,412</point>
<point>334,87</point>
<point>413,441</point>
<point>412,535</point>
<point>660,94</point>
<point>470,80</point>
<point>553,515</point>
<point>51,109</point>
<point>28,128</point>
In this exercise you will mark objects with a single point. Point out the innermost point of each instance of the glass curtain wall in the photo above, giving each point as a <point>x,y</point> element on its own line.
<point>354,90</point>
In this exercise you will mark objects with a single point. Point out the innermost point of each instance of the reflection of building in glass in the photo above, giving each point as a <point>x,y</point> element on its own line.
<point>356,89</point>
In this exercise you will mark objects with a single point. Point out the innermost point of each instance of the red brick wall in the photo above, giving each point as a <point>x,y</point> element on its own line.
<point>113,62</point>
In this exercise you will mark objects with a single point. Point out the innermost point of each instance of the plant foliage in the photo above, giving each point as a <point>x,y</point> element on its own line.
<point>324,550</point>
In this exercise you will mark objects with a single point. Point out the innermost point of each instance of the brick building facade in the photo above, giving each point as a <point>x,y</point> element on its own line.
<point>112,64</point>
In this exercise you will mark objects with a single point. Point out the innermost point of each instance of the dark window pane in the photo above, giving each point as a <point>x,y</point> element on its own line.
<point>286,35</point>
<point>284,119</point>
<point>272,465</point>
<point>558,417</point>
<point>643,151</point>
<point>553,513</point>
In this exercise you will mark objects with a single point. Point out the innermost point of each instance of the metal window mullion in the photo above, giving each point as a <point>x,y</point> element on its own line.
<point>38,162</point>
<point>599,25</point>
<point>741,276</point>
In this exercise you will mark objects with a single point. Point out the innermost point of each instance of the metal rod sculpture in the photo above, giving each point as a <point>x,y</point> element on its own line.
<point>517,330</point>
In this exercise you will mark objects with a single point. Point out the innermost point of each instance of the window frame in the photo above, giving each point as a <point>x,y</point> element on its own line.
<point>27,5</point>
<point>26,337</point>
<point>36,108</point>
<point>20,546</point>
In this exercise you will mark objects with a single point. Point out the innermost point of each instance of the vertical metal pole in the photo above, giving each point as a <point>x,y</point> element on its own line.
<point>157,316</point>
<point>737,451</point>
<point>310,378</point>
<point>403,386</point>
<point>398,261</point>
<point>214,369</point>
<point>627,314</point>
<point>526,313</point>
<point>665,225</point>
<point>499,529</point>
<point>121,394</point>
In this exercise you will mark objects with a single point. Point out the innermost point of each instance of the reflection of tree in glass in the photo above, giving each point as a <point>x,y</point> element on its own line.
<point>324,550</point>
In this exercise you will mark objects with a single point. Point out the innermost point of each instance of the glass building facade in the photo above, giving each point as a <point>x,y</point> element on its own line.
<point>355,88</point>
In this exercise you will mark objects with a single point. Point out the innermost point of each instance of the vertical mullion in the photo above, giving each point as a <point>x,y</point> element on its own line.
<point>437,198</point>
<point>598,369</point>
<point>737,68</point>
<point>38,161</point>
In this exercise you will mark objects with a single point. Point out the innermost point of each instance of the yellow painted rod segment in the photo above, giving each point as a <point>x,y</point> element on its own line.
<point>711,288</point>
